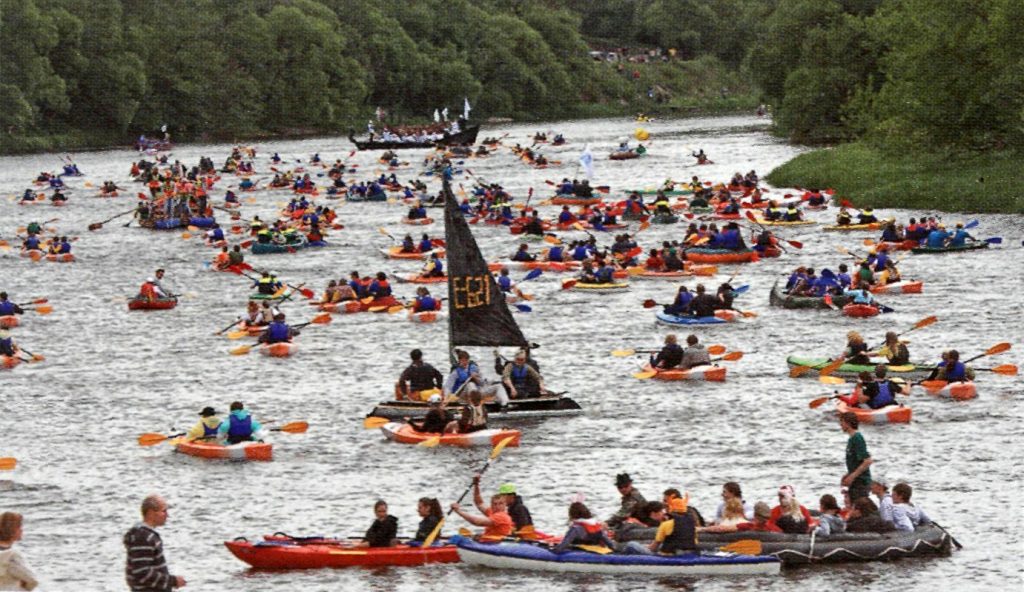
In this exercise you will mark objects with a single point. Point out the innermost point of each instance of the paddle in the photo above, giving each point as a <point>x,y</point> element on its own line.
<point>568,284</point>
<point>8,463</point>
<point>372,423</point>
<point>35,357</point>
<point>98,225</point>
<point>622,353</point>
<point>743,547</point>
<point>42,309</point>
<point>36,301</point>
<point>1004,369</point>
<point>228,327</point>
<point>995,349</point>
<point>822,400</point>
<point>494,454</point>
<point>151,439</point>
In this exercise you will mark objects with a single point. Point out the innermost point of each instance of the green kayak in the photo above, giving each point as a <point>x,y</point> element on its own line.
<point>910,372</point>
<point>967,247</point>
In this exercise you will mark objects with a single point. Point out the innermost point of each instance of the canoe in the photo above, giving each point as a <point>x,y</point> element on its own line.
<point>720,316</point>
<point>565,200</point>
<point>958,391</point>
<point>523,556</point>
<point>61,257</point>
<point>405,434</point>
<point>288,554</point>
<point>9,322</point>
<point>706,255</point>
<point>547,406</point>
<point>240,451</point>
<point>601,288</point>
<point>887,414</point>
<point>418,221</point>
<point>853,227</point>
<point>623,155</point>
<point>707,373</point>
<point>967,247</point>
<point>793,549</point>
<point>779,298</point>
<point>901,287</point>
<point>9,362</point>
<point>283,349</point>
<point>395,252</point>
<point>158,304</point>
<point>555,266</point>
<point>908,372</point>
<point>894,246</point>
<point>764,222</point>
<point>860,311</point>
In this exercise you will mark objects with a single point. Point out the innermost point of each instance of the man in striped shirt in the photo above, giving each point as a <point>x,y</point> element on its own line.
<point>146,569</point>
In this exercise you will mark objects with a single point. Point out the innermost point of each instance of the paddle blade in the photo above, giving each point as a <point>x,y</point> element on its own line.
<point>798,371</point>
<point>552,239</point>
<point>716,350</point>
<point>8,463</point>
<point>645,375</point>
<point>372,423</point>
<point>600,550</point>
<point>241,350</point>
<point>831,380</point>
<point>567,284</point>
<point>934,385</point>
<point>433,534</point>
<point>925,322</point>
<point>818,402</point>
<point>832,367</point>
<point>366,300</point>
<point>650,304</point>
<point>396,309</point>
<point>44,310</point>
<point>645,225</point>
<point>997,349</point>
<point>295,427</point>
<point>534,274</point>
<point>1006,370</point>
<point>501,446</point>
<point>744,547</point>
<point>306,292</point>
<point>323,318</point>
<point>995,240</point>
<point>149,439</point>
<point>523,307</point>
<point>795,244</point>
<point>623,353</point>
<point>748,314</point>
<point>733,356</point>
<point>431,442</point>
<point>238,334</point>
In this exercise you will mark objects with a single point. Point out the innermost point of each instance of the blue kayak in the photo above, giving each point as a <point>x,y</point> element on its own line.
<point>668,319</point>
<point>540,558</point>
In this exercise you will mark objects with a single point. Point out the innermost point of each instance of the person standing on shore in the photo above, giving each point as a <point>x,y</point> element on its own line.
<point>858,459</point>
<point>146,569</point>
<point>14,574</point>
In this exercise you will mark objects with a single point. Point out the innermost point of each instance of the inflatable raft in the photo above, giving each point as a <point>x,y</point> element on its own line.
<point>721,316</point>
<point>705,255</point>
<point>240,451</point>
<point>707,373</point>
<point>396,253</point>
<point>406,434</point>
<point>780,298</point>
<point>888,414</point>
<point>967,247</point>
<point>908,372</point>
<point>519,556</point>
<point>547,406</point>
<point>158,304</point>
<point>274,248</point>
<point>309,554</point>
<point>690,271</point>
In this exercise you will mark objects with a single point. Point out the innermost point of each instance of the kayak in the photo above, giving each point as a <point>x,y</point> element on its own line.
<point>601,288</point>
<point>353,306</point>
<point>706,255</point>
<point>417,221</point>
<point>908,372</point>
<point>564,200</point>
<point>958,391</point>
<point>517,556</point>
<point>9,322</point>
<point>61,257</point>
<point>708,373</point>
<point>967,247</point>
<point>690,271</point>
<point>852,227</point>
<point>887,414</point>
<point>158,304</point>
<point>282,349</point>
<point>33,254</point>
<point>779,298</point>
<point>764,222</point>
<point>420,279</point>
<point>720,316</point>
<point>9,362</point>
<point>279,553</point>
<point>901,287</point>
<point>860,310</point>
<point>240,451</point>
<point>555,266</point>
<point>426,316</point>
<point>624,155</point>
<point>406,434</point>
<point>396,253</point>
<point>529,407</point>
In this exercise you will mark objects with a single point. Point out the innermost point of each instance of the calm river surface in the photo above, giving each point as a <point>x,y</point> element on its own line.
<point>72,421</point>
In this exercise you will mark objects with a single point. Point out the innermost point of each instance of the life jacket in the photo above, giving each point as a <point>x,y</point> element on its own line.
<point>792,215</point>
<point>555,254</point>
<point>884,396</point>
<point>520,376</point>
<point>277,332</point>
<point>380,288</point>
<point>566,217</point>
<point>579,253</point>
<point>148,291</point>
<point>843,279</point>
<point>683,537</point>
<point>209,432</point>
<point>222,260</point>
<point>773,213</point>
<point>31,243</point>
<point>427,303</point>
<point>522,256</point>
<point>461,376</point>
<point>264,235</point>
<point>216,234</point>
<point>505,283</point>
<point>6,308</point>
<point>7,346</point>
<point>880,261</point>
<point>956,373</point>
<point>239,429</point>
<point>266,285</point>
<point>426,245</point>
<point>605,275</point>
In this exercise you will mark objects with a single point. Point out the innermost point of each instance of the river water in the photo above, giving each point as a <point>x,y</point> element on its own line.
<point>110,375</point>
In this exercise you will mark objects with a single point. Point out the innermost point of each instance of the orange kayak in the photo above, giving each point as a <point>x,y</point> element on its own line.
<point>888,414</point>
<point>288,554</point>
<point>708,373</point>
<point>240,451</point>
<point>282,349</point>
<point>406,434</point>
<point>9,322</point>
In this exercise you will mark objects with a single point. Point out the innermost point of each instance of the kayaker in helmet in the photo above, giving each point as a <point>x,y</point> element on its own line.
<point>417,377</point>
<point>670,355</point>
<point>694,355</point>
<point>240,426</point>
<point>521,380</point>
<point>495,520</point>
<point>584,529</point>
<point>207,427</point>
<point>383,531</point>
<point>278,331</point>
<point>431,514</point>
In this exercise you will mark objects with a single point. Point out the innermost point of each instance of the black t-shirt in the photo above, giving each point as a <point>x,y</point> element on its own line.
<point>382,532</point>
<point>422,377</point>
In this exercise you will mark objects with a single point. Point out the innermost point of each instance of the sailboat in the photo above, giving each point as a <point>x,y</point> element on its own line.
<point>478,316</point>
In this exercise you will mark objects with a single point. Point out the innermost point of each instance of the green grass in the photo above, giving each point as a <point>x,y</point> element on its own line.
<point>868,176</point>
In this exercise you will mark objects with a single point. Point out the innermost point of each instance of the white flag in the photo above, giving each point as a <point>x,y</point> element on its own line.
<point>465,108</point>
<point>444,113</point>
<point>437,116</point>
<point>587,161</point>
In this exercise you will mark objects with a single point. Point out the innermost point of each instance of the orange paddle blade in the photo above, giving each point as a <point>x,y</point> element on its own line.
<point>997,349</point>
<point>44,310</point>
<point>295,427</point>
<point>8,463</point>
<point>818,402</point>
<point>323,318</point>
<point>372,423</point>
<point>798,371</point>
<point>733,356</point>
<point>832,367</point>
<point>716,349</point>
<point>927,321</point>
<point>1006,370</point>
<point>934,385</point>
<point>744,547</point>
<point>149,439</point>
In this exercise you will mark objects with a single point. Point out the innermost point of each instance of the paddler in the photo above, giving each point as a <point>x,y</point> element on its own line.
<point>379,287</point>
<point>815,198</point>
<point>694,355</point>
<point>7,307</point>
<point>506,284</point>
<point>880,392</point>
<point>278,331</point>
<point>436,418</point>
<point>267,284</point>
<point>534,226</point>
<point>843,218</point>
<point>792,214</point>
<point>521,380</point>
<point>631,500</point>
<point>523,253</point>
<point>7,345</point>
<point>431,515</point>
<point>408,244</point>
<point>937,238</point>
<point>223,259</point>
<point>862,295</point>
<point>670,355</point>
<point>426,245</point>
<point>894,350</point>
<point>424,301</point>
<point>681,304</point>
<point>890,275</point>
<point>951,369</point>
<point>473,418</point>
<point>557,254</point>
<point>566,217</point>
<point>495,520</point>
<point>235,257</point>
<point>514,503</point>
<point>151,291</point>
<point>31,243</point>
<point>661,204</point>
<point>584,529</point>
<point>866,216</point>
<point>465,376</point>
<point>702,304</point>
<point>654,261</point>
<point>677,534</point>
<point>435,267</point>
<point>253,315</point>
<point>383,531</point>
<point>856,351</point>
<point>240,426</point>
<point>207,427</point>
<point>960,236</point>
<point>417,212</point>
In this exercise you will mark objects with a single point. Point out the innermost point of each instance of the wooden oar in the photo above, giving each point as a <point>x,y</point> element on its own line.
<point>98,225</point>
<point>494,454</point>
<point>8,463</point>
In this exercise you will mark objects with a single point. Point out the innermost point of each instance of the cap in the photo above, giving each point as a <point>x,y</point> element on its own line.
<point>761,510</point>
<point>623,479</point>
<point>434,399</point>
<point>207,412</point>
<point>507,488</point>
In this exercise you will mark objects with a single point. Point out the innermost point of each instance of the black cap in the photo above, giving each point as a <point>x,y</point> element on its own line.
<point>207,412</point>
<point>623,479</point>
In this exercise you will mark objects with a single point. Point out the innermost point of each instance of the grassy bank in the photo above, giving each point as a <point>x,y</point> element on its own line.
<point>867,176</point>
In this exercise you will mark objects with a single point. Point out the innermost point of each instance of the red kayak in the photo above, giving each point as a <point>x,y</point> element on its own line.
<point>860,310</point>
<point>158,304</point>
<point>290,554</point>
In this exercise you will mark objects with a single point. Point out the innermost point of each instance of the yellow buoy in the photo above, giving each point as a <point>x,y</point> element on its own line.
<point>641,134</point>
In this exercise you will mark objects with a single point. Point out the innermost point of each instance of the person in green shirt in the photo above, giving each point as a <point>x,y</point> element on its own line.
<point>858,459</point>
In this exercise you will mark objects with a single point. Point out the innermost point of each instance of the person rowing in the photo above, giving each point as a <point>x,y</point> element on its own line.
<point>240,426</point>
<point>773,213</point>
<point>523,253</point>
<point>815,198</point>
<point>881,391</point>
<point>207,427</point>
<point>670,355</point>
<point>534,226</point>
<point>951,369</point>
<point>267,284</point>
<point>465,377</point>
<point>680,306</point>
<point>960,236</point>
<point>862,295</point>
<point>151,291</point>
<point>436,418</point>
<point>700,156</point>
<point>7,345</point>
<point>379,287</point>
<point>8,308</point>
<point>426,244</point>
<point>792,214</point>
<point>434,268</point>
<point>417,212</point>
<point>694,354</point>
<point>702,304</point>
<point>278,331</point>
<point>521,380</point>
<point>495,520</point>
<point>866,216</point>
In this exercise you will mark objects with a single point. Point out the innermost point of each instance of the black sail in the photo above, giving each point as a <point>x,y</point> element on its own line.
<point>478,314</point>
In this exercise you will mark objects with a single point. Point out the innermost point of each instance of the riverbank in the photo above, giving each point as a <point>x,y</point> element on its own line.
<point>870,177</point>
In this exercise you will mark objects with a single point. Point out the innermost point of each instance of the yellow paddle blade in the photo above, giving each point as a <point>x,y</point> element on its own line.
<point>377,309</point>
<point>623,353</point>
<point>44,310</point>
<point>238,334</point>
<point>831,380</point>
<point>280,291</point>
<point>433,534</point>
<point>89,184</point>
<point>8,463</point>
<point>645,375</point>
<point>241,350</point>
<point>372,423</point>
<point>295,427</point>
<point>383,231</point>
<point>149,439</point>
<point>501,446</point>
<point>716,350</point>
<point>600,550</point>
<point>366,300</point>
<point>744,547</point>
<point>552,240</point>
<point>431,442</point>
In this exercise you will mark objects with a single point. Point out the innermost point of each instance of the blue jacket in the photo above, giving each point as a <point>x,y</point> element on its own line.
<point>278,332</point>
<point>937,238</point>
<point>960,238</point>
<point>237,417</point>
